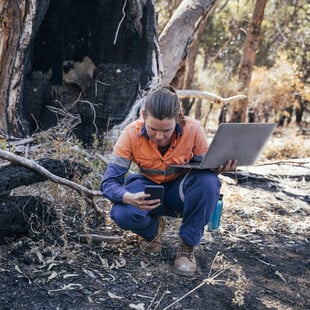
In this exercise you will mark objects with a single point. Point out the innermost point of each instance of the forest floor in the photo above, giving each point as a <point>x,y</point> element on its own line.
<point>258,259</point>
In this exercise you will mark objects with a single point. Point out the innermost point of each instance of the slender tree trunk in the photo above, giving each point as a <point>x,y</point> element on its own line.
<point>198,109</point>
<point>187,103</point>
<point>176,37</point>
<point>247,63</point>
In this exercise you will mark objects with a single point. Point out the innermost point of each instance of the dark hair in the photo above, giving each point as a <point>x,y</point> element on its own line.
<point>163,103</point>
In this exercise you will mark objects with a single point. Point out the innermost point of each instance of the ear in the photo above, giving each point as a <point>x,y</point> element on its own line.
<point>143,114</point>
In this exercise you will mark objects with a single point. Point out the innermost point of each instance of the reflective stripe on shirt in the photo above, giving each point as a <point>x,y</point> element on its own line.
<point>121,161</point>
<point>168,171</point>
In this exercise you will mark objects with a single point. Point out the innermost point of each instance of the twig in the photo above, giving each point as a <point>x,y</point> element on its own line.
<point>268,264</point>
<point>188,293</point>
<point>155,296</point>
<point>20,142</point>
<point>205,281</point>
<point>161,298</point>
<point>94,113</point>
<point>119,25</point>
<point>98,238</point>
<point>298,161</point>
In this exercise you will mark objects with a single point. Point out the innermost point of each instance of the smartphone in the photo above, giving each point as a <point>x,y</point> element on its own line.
<point>156,192</point>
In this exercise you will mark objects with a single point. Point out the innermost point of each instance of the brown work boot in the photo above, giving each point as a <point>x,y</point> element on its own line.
<point>154,246</point>
<point>185,262</point>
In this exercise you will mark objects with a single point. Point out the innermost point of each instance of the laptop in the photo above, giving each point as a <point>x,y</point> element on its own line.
<point>234,141</point>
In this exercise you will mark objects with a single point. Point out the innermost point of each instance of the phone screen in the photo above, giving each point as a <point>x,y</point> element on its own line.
<point>156,192</point>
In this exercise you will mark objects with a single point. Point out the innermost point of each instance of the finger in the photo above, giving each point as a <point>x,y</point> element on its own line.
<point>149,207</point>
<point>220,169</point>
<point>234,165</point>
<point>227,165</point>
<point>152,201</point>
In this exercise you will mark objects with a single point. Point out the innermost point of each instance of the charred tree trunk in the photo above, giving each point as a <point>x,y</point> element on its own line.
<point>55,59</point>
<point>53,53</point>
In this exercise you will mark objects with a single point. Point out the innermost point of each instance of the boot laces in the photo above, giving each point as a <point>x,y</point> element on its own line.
<point>185,250</point>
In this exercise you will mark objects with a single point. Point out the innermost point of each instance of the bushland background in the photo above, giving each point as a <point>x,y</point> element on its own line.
<point>76,258</point>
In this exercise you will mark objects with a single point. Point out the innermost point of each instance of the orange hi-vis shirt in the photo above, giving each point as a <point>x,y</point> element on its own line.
<point>188,143</point>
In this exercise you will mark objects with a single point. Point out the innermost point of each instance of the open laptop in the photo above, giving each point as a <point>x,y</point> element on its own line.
<point>235,141</point>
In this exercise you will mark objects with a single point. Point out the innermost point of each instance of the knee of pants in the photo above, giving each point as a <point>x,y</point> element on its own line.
<point>205,179</point>
<point>211,180</point>
<point>129,217</point>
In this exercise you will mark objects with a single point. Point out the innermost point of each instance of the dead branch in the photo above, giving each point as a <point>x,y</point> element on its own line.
<point>87,193</point>
<point>297,161</point>
<point>95,238</point>
<point>210,96</point>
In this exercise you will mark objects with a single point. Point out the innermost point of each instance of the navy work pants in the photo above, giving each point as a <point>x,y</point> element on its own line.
<point>193,198</point>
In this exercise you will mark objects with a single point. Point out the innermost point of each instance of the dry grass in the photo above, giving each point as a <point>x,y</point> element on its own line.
<point>296,147</point>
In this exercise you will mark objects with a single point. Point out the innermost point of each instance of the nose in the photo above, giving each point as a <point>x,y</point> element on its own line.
<point>159,135</point>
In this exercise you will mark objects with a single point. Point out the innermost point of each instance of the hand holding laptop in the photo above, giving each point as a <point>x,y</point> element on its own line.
<point>231,165</point>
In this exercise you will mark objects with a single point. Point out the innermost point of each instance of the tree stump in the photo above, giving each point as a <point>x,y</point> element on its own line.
<point>19,214</point>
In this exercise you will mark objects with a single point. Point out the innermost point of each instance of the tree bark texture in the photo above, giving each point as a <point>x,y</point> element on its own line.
<point>187,103</point>
<point>16,29</point>
<point>19,214</point>
<point>248,59</point>
<point>15,175</point>
<point>176,37</point>
<point>85,57</point>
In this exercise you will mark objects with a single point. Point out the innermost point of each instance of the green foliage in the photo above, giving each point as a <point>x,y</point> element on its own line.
<point>282,61</point>
<point>225,34</point>
<point>285,28</point>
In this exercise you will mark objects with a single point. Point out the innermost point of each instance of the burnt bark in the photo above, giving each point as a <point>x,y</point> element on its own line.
<point>19,214</point>
<point>64,53</point>
<point>15,175</point>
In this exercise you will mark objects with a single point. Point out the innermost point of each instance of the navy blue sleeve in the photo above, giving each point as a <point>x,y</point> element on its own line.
<point>112,184</point>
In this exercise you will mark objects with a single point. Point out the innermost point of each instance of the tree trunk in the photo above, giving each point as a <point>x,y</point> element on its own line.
<point>92,65</point>
<point>16,28</point>
<point>187,103</point>
<point>176,37</point>
<point>247,63</point>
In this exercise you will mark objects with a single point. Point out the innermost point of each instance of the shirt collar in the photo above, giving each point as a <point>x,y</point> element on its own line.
<point>178,130</point>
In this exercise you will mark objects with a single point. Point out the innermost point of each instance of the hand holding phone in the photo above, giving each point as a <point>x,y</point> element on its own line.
<point>156,192</point>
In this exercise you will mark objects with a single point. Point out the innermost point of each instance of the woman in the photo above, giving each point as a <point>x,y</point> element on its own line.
<point>161,138</point>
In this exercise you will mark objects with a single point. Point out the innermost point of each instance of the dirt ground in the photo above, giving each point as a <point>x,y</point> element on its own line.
<point>258,259</point>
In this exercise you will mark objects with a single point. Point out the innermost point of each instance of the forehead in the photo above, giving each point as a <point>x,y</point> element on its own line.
<point>157,124</point>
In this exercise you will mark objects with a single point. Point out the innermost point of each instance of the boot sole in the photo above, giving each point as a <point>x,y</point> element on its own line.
<point>183,273</point>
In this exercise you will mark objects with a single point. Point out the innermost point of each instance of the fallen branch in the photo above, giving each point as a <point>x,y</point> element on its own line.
<point>87,193</point>
<point>297,161</point>
<point>95,238</point>
<point>210,96</point>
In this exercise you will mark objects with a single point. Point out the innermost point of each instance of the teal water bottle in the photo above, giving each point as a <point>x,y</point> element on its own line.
<point>215,217</point>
